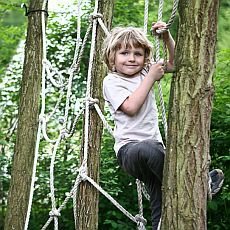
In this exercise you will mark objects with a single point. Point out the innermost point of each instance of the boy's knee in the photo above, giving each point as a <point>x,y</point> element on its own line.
<point>152,149</point>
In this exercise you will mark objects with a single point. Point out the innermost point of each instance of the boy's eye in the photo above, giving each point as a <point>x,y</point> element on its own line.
<point>124,52</point>
<point>138,54</point>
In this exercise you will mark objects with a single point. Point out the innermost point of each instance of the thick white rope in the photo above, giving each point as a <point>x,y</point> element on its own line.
<point>105,123</point>
<point>173,14</point>
<point>33,178</point>
<point>139,192</point>
<point>146,16</point>
<point>88,89</point>
<point>50,75</point>
<point>104,28</point>
<point>164,119</point>
<point>157,45</point>
<point>68,196</point>
<point>137,219</point>
<point>78,41</point>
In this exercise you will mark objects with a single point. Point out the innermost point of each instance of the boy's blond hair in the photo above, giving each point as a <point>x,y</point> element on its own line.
<point>129,37</point>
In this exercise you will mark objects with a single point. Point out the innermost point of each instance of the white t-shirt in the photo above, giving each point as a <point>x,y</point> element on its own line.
<point>141,126</point>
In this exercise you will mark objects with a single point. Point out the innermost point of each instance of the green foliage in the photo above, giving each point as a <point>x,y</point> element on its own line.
<point>224,25</point>
<point>218,208</point>
<point>12,27</point>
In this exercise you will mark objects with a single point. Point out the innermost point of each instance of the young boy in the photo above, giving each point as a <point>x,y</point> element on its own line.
<point>128,90</point>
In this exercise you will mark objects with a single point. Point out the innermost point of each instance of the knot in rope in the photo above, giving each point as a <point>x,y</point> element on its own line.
<point>64,133</point>
<point>83,173</point>
<point>54,213</point>
<point>61,120</point>
<point>42,118</point>
<point>141,221</point>
<point>92,101</point>
<point>159,32</point>
<point>95,16</point>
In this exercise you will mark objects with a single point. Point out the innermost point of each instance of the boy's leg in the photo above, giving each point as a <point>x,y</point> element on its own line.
<point>144,160</point>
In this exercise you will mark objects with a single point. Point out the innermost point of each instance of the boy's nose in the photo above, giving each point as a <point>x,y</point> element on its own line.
<point>131,57</point>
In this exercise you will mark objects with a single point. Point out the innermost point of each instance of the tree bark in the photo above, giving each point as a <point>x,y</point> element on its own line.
<point>187,158</point>
<point>88,196</point>
<point>28,114</point>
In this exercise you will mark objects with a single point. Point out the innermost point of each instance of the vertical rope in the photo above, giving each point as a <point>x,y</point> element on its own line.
<point>157,44</point>
<point>88,85</point>
<point>140,204</point>
<point>173,14</point>
<point>33,178</point>
<point>146,16</point>
<point>74,123</point>
<point>78,41</point>
<point>74,209</point>
<point>52,189</point>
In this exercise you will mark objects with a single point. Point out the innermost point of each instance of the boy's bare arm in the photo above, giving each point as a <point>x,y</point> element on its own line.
<point>133,103</point>
<point>168,39</point>
<point>171,49</point>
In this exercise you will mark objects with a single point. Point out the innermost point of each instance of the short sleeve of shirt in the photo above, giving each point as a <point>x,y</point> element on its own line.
<point>114,91</point>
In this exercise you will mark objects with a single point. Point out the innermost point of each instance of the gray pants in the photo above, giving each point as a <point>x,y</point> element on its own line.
<point>145,161</point>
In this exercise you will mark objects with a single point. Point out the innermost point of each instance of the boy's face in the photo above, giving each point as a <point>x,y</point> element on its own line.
<point>129,61</point>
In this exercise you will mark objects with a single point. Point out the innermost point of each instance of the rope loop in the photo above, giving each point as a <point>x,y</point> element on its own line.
<point>140,219</point>
<point>92,101</point>
<point>83,173</point>
<point>95,16</point>
<point>159,32</point>
<point>64,133</point>
<point>54,213</point>
<point>61,120</point>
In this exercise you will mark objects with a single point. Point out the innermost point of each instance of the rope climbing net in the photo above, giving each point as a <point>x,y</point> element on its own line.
<point>65,131</point>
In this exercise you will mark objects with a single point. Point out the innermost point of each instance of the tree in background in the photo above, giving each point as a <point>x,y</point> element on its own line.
<point>88,196</point>
<point>23,159</point>
<point>187,159</point>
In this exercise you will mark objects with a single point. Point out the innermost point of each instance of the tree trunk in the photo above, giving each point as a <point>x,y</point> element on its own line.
<point>187,158</point>
<point>28,114</point>
<point>88,196</point>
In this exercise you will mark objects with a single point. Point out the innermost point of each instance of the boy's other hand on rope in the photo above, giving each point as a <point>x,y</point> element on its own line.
<point>156,71</point>
<point>160,29</point>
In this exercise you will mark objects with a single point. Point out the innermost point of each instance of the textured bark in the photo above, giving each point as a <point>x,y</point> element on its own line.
<point>88,196</point>
<point>22,168</point>
<point>187,157</point>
